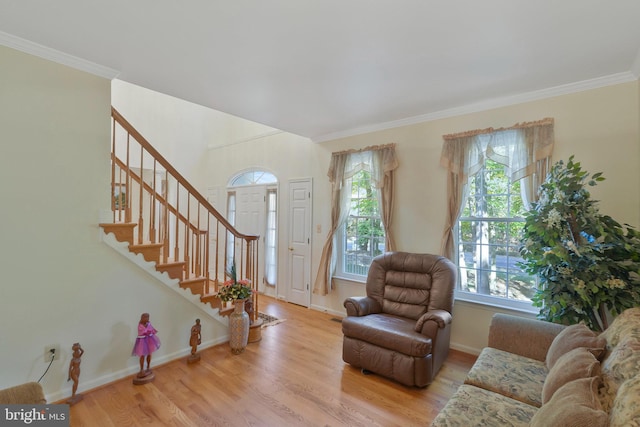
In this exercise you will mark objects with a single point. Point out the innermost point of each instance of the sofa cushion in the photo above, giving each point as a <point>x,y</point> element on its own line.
<point>571,337</point>
<point>388,331</point>
<point>575,404</point>
<point>473,406</point>
<point>627,324</point>
<point>626,408</point>
<point>578,363</point>
<point>619,365</point>
<point>509,374</point>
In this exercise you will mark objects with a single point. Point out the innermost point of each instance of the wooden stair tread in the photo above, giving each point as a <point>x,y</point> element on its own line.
<point>122,231</point>
<point>118,224</point>
<point>146,245</point>
<point>194,284</point>
<point>211,299</point>
<point>225,311</point>
<point>170,263</point>
<point>150,251</point>
<point>194,280</point>
<point>175,269</point>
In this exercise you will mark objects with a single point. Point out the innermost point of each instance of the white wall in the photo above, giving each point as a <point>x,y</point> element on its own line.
<point>60,283</point>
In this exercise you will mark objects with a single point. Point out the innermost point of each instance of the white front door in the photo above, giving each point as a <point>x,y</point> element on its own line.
<point>299,283</point>
<point>250,219</point>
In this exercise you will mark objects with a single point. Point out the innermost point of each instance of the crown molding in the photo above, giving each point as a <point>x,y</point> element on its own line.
<point>490,104</point>
<point>54,55</point>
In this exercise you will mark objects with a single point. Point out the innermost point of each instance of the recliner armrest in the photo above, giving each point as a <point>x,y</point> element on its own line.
<point>361,306</point>
<point>441,317</point>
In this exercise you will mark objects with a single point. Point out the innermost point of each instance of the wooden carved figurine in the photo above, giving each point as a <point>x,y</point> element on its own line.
<point>74,372</point>
<point>146,343</point>
<point>194,341</point>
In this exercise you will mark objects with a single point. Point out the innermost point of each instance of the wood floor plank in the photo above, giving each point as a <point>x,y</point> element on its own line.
<point>294,376</point>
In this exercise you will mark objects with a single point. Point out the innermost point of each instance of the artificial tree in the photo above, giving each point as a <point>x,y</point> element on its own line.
<point>587,264</point>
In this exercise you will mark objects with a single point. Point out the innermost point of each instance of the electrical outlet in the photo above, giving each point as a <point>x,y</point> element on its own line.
<point>48,352</point>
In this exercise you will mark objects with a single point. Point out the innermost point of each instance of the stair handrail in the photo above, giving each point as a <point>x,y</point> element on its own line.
<point>249,260</point>
<point>182,180</point>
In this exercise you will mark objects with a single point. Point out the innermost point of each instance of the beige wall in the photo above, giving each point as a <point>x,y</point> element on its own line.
<point>600,126</point>
<point>60,283</point>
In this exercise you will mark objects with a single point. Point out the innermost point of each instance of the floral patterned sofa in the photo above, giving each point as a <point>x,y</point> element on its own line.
<point>540,374</point>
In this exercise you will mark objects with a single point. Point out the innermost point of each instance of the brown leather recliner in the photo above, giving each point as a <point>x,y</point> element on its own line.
<point>401,329</point>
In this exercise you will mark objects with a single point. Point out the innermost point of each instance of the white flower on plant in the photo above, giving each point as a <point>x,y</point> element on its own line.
<point>614,283</point>
<point>553,219</point>
<point>558,195</point>
<point>543,200</point>
<point>577,308</point>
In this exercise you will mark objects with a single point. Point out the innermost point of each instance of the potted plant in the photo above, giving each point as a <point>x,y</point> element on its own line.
<point>237,291</point>
<point>587,264</point>
<point>233,290</point>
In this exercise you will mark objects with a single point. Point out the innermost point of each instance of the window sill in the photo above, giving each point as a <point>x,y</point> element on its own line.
<point>351,279</point>
<point>492,305</point>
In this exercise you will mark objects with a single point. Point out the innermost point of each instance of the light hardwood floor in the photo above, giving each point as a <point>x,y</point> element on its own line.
<point>294,376</point>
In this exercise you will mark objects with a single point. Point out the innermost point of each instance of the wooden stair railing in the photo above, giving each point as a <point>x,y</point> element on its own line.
<point>164,218</point>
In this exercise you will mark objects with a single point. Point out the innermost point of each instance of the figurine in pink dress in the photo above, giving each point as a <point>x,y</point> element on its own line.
<point>146,343</point>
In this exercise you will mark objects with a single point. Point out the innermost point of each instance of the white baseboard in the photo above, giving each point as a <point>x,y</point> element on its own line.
<point>66,392</point>
<point>465,348</point>
<point>337,313</point>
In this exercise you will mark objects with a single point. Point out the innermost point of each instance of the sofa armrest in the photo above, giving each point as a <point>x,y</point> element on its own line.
<point>526,337</point>
<point>27,393</point>
<point>361,306</point>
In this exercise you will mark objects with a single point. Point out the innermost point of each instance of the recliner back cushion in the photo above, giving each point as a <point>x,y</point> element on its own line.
<point>406,294</point>
<point>426,283</point>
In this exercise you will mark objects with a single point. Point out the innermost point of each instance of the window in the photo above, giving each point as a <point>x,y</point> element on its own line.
<point>253,177</point>
<point>361,207</point>
<point>493,176</point>
<point>231,239</point>
<point>362,236</point>
<point>488,235</point>
<point>270,238</point>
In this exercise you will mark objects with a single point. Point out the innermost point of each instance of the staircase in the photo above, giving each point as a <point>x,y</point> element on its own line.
<point>162,217</point>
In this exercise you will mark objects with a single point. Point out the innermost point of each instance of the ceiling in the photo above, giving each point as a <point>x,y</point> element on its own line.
<point>331,68</point>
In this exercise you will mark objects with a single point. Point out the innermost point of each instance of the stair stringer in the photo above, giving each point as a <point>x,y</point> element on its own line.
<point>174,284</point>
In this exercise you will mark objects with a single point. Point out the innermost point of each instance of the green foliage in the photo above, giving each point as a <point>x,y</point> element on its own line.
<point>586,263</point>
<point>120,201</point>
<point>364,205</point>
